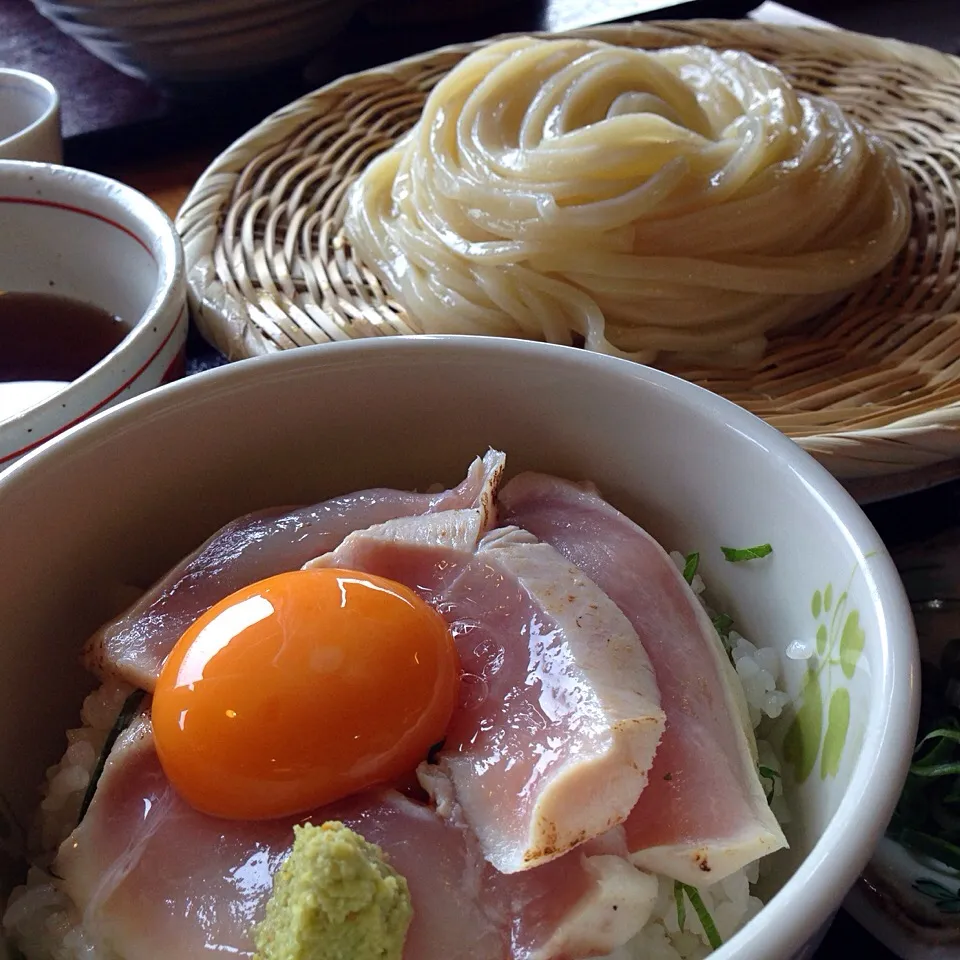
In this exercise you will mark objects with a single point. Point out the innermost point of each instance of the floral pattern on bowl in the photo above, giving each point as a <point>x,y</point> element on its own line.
<point>824,694</point>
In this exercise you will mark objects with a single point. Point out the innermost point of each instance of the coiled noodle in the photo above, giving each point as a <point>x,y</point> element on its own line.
<point>682,200</point>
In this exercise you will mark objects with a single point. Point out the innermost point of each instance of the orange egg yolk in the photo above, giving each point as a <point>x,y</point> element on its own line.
<point>300,690</point>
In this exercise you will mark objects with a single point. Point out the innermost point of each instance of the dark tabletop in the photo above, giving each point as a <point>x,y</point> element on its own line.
<point>109,118</point>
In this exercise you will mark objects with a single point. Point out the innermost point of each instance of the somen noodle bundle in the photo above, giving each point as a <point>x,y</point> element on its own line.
<point>681,200</point>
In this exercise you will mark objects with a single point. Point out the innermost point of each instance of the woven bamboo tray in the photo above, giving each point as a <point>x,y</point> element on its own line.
<point>871,388</point>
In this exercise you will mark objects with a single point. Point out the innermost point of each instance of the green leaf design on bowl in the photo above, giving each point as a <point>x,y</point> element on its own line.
<point>822,639</point>
<point>802,742</point>
<point>851,644</point>
<point>840,639</point>
<point>838,723</point>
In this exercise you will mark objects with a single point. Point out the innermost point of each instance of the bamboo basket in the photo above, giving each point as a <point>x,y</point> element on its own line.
<point>871,388</point>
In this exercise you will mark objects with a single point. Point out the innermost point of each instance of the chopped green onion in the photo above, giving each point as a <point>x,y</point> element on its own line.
<point>681,904</point>
<point>690,564</point>
<point>737,555</point>
<point>127,713</point>
<point>706,921</point>
<point>768,773</point>
<point>722,623</point>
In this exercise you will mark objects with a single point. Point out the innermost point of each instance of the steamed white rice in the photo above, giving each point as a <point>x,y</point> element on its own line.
<point>44,925</point>
<point>40,919</point>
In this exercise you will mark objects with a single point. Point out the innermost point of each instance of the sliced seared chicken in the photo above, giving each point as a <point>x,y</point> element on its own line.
<point>704,814</point>
<point>151,877</point>
<point>559,716</point>
<point>252,548</point>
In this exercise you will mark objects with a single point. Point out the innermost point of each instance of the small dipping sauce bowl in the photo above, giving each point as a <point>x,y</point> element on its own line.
<point>29,118</point>
<point>83,237</point>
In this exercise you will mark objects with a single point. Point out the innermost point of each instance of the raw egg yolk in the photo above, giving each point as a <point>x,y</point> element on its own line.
<point>300,690</point>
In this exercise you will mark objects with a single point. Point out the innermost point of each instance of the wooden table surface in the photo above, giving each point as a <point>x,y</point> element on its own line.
<point>167,180</point>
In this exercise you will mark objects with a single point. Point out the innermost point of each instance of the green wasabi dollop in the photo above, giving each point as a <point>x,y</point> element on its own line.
<point>334,898</point>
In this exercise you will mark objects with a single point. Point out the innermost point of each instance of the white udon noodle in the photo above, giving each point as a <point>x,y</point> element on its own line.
<point>681,200</point>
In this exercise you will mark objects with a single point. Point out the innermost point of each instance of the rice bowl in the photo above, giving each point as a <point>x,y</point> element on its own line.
<point>577,414</point>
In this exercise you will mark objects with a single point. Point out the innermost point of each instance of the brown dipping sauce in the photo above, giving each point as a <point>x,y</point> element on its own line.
<point>48,337</point>
<point>47,341</point>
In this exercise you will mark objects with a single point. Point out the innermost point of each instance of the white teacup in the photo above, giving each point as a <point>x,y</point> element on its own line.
<point>29,118</point>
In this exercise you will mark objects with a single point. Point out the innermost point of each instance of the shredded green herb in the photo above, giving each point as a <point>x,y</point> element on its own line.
<point>681,903</point>
<point>703,914</point>
<point>927,817</point>
<point>739,554</point>
<point>722,623</point>
<point>668,776</point>
<point>690,565</point>
<point>127,712</point>
<point>434,750</point>
<point>935,770</point>
<point>768,773</point>
<point>930,846</point>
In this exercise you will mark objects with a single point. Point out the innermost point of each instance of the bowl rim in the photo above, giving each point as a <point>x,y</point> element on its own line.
<point>49,113</point>
<point>162,242</point>
<point>831,867</point>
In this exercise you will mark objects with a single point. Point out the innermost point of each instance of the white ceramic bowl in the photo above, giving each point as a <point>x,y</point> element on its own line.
<point>181,43</point>
<point>84,236</point>
<point>128,493</point>
<point>29,118</point>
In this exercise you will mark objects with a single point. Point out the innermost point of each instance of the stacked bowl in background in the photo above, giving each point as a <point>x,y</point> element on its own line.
<point>180,42</point>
